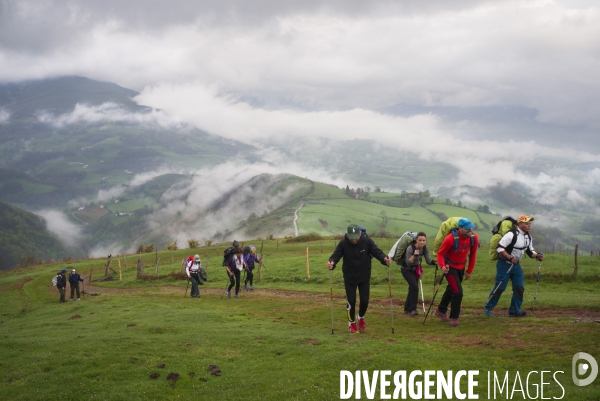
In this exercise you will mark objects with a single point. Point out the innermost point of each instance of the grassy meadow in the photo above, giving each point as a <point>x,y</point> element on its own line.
<point>276,342</point>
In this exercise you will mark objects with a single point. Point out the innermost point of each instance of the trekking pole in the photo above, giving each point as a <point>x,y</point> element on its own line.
<point>331,296</point>
<point>83,291</point>
<point>186,287</point>
<point>537,280</point>
<point>434,295</point>
<point>422,294</point>
<point>390,288</point>
<point>499,284</point>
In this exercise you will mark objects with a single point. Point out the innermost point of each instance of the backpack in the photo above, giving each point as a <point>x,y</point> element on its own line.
<point>399,249</point>
<point>247,249</point>
<point>447,227</point>
<point>507,224</point>
<point>188,260</point>
<point>227,254</point>
<point>55,280</point>
<point>202,275</point>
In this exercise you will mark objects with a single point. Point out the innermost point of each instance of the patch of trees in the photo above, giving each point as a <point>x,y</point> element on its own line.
<point>24,237</point>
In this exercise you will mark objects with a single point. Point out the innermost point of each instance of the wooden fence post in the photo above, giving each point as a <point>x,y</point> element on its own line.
<point>140,266</point>
<point>107,265</point>
<point>576,266</point>
<point>307,266</point>
<point>120,274</point>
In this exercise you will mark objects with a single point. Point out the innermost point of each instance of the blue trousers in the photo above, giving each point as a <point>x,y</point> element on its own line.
<point>518,285</point>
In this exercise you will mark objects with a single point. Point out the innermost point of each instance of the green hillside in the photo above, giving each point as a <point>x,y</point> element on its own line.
<point>24,238</point>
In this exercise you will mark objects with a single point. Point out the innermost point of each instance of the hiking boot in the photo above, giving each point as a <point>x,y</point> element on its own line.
<point>517,314</point>
<point>251,287</point>
<point>71,299</point>
<point>488,312</point>
<point>228,294</point>
<point>245,287</point>
<point>362,327</point>
<point>79,299</point>
<point>352,329</point>
<point>237,296</point>
<point>414,313</point>
<point>441,315</point>
<point>454,322</point>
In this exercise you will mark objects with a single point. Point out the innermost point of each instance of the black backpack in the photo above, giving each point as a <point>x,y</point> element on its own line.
<point>247,249</point>
<point>227,254</point>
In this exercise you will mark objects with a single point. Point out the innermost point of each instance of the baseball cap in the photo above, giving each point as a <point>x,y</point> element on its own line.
<point>353,231</point>
<point>63,271</point>
<point>524,219</point>
<point>73,270</point>
<point>465,223</point>
<point>196,258</point>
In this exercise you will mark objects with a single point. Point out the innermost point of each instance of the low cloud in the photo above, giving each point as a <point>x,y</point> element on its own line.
<point>4,116</point>
<point>108,113</point>
<point>69,233</point>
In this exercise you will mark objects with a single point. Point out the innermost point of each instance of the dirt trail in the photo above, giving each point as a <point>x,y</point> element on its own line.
<point>578,314</point>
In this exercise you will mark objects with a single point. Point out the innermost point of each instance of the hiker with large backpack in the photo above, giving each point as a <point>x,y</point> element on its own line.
<point>511,247</point>
<point>61,284</point>
<point>192,268</point>
<point>356,250</point>
<point>74,280</point>
<point>250,259</point>
<point>460,244</point>
<point>412,270</point>
<point>234,268</point>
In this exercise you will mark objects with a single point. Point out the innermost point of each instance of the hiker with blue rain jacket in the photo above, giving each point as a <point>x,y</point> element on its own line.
<point>74,280</point>
<point>508,266</point>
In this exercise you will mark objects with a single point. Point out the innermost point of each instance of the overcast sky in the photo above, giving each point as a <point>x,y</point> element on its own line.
<point>481,78</point>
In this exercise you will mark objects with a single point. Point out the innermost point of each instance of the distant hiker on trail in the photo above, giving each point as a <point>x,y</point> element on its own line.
<point>412,270</point>
<point>452,256</point>
<point>74,280</point>
<point>249,260</point>
<point>508,266</point>
<point>356,251</point>
<point>192,269</point>
<point>236,265</point>
<point>61,284</point>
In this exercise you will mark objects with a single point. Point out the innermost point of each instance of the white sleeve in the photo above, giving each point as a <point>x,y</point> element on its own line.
<point>505,241</point>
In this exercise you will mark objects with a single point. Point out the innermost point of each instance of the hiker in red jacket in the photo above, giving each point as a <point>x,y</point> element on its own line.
<point>452,256</point>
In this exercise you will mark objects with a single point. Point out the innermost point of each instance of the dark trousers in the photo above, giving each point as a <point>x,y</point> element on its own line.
<point>194,280</point>
<point>75,287</point>
<point>62,292</point>
<point>364,289</point>
<point>412,299</point>
<point>454,293</point>
<point>234,279</point>
<point>249,277</point>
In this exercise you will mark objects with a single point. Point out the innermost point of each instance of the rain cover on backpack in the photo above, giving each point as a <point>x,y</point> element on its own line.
<point>502,227</point>
<point>399,249</point>
<point>444,230</point>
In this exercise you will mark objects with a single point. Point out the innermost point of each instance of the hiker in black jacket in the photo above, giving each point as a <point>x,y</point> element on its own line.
<point>61,284</point>
<point>357,251</point>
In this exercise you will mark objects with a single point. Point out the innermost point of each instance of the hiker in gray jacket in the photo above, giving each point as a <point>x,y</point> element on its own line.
<point>412,270</point>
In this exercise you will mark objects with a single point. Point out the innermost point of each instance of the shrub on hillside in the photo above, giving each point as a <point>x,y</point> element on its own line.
<point>305,238</point>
